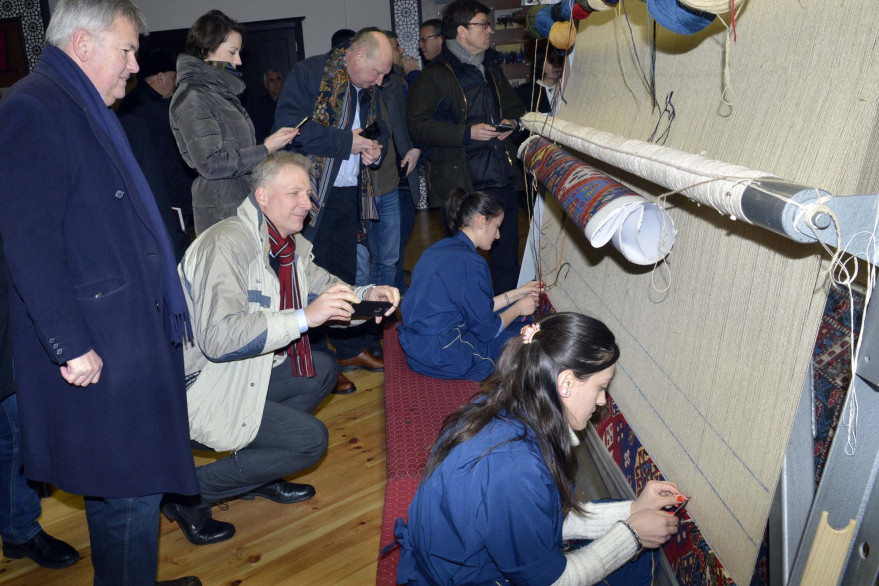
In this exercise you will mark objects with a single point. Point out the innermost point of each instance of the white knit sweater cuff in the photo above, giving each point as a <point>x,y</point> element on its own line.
<point>598,519</point>
<point>597,560</point>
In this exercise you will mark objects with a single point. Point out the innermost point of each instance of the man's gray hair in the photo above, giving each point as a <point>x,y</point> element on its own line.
<point>265,76</point>
<point>266,171</point>
<point>94,16</point>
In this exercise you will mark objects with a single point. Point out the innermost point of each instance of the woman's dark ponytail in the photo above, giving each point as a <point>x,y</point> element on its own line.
<point>462,207</point>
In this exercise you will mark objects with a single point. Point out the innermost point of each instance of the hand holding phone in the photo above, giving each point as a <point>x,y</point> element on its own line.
<point>368,309</point>
<point>503,127</point>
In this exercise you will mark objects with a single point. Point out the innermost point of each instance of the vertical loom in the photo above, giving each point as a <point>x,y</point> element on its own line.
<point>716,341</point>
<point>817,537</point>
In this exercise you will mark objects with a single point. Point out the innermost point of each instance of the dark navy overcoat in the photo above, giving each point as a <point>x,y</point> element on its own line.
<point>86,274</point>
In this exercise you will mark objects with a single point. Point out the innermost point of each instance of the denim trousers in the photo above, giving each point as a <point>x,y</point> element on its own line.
<point>19,502</point>
<point>124,535</point>
<point>384,239</point>
<point>407,223</point>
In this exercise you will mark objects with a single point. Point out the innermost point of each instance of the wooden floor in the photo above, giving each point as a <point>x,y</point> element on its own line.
<point>332,539</point>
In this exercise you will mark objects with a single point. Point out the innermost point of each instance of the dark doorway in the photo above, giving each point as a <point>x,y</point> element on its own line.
<point>268,44</point>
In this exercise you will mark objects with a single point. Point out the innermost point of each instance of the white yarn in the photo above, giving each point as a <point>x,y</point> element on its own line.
<point>598,5</point>
<point>711,6</point>
<point>713,183</point>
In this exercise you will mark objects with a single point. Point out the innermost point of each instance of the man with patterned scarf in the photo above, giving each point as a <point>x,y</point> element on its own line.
<point>338,91</point>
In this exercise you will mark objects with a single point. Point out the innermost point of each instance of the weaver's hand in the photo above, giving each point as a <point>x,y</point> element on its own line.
<point>658,495</point>
<point>654,527</point>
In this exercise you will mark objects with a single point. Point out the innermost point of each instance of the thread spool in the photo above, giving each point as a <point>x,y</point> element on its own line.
<point>562,35</point>
<point>680,19</point>
<point>711,6</point>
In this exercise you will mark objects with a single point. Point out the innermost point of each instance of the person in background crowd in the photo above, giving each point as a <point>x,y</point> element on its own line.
<point>262,109</point>
<point>463,108</point>
<point>338,93</point>
<point>213,130</point>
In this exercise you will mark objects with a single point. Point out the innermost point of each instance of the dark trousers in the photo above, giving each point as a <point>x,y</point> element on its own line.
<point>124,535</point>
<point>335,250</point>
<point>289,439</point>
<point>504,252</point>
<point>19,503</point>
<point>407,222</point>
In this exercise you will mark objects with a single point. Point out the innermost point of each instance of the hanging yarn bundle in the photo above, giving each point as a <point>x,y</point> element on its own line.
<point>676,17</point>
<point>562,35</point>
<point>712,6</point>
<point>604,209</point>
<point>598,5</point>
<point>555,22</point>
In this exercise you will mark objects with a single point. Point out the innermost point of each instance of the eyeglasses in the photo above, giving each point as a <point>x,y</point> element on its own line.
<point>485,25</point>
<point>424,39</point>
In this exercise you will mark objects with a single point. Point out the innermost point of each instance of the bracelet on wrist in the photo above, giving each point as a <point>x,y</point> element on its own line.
<point>636,536</point>
<point>507,297</point>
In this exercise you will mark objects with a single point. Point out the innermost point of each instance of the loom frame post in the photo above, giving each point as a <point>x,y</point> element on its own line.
<point>795,491</point>
<point>848,489</point>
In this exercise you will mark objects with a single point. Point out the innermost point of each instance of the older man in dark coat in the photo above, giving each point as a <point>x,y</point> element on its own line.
<point>97,311</point>
<point>339,92</point>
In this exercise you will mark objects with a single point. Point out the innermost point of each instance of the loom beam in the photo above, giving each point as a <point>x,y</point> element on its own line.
<point>806,215</point>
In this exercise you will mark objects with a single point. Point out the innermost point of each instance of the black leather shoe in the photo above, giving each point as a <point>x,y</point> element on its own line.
<point>196,522</point>
<point>282,492</point>
<point>184,581</point>
<point>44,549</point>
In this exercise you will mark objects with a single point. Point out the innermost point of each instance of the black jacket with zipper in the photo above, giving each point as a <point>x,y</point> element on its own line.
<point>446,99</point>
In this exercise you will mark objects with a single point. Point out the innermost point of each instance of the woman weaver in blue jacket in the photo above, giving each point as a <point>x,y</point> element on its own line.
<point>453,326</point>
<point>497,499</point>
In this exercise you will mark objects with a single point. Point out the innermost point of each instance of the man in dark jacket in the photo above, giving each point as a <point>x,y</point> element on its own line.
<point>98,313</point>
<point>338,91</point>
<point>150,100</point>
<point>19,502</point>
<point>454,108</point>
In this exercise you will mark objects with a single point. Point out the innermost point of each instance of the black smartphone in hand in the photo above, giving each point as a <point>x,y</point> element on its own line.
<point>369,309</point>
<point>371,132</point>
<point>503,127</point>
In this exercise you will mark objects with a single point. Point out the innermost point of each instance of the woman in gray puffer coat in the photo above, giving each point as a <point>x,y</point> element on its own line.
<point>213,131</point>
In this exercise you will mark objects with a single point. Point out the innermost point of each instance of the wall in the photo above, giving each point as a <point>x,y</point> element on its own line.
<point>322,18</point>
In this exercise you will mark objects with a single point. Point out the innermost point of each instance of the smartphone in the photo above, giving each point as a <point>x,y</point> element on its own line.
<point>369,309</point>
<point>371,132</point>
<point>301,122</point>
<point>503,127</point>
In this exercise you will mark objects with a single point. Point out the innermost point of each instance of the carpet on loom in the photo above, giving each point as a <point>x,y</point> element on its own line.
<point>689,553</point>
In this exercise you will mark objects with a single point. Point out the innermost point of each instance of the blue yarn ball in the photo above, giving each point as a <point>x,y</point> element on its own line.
<point>544,22</point>
<point>678,18</point>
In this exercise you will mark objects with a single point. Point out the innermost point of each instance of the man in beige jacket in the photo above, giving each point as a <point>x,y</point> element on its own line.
<point>253,292</point>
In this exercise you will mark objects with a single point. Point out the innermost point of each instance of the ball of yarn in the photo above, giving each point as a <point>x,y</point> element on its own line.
<point>677,18</point>
<point>543,22</point>
<point>599,5</point>
<point>712,6</point>
<point>530,20</point>
<point>579,13</point>
<point>562,35</point>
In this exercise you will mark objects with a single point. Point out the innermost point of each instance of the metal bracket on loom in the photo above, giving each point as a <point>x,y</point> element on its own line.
<point>855,215</point>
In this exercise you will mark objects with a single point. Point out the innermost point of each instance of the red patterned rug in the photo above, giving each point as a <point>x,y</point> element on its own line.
<point>415,407</point>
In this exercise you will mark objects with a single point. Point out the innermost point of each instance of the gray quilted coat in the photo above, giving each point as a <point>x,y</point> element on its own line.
<point>216,138</point>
